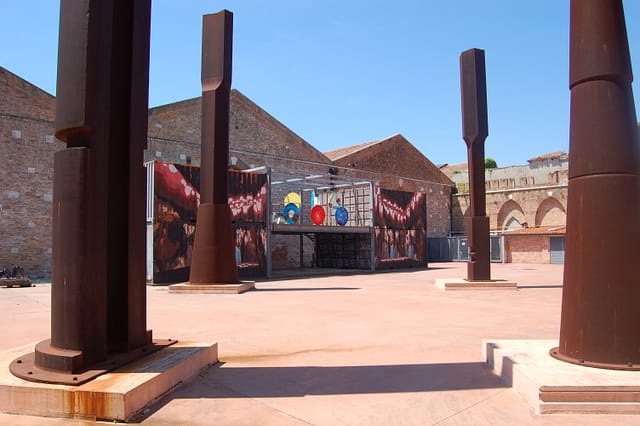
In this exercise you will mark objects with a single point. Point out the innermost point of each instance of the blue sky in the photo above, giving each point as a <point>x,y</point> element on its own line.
<point>339,73</point>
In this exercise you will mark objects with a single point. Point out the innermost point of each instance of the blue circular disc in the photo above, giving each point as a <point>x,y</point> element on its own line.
<point>342,216</point>
<point>291,213</point>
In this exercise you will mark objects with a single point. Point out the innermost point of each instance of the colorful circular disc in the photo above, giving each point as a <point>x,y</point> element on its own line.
<point>318,215</point>
<point>291,213</point>
<point>293,198</point>
<point>342,216</point>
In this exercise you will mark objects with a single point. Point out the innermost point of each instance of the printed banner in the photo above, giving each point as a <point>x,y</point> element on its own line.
<point>176,200</point>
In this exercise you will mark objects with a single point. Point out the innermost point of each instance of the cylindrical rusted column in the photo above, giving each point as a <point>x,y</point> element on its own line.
<point>213,260</point>
<point>78,306</point>
<point>474,131</point>
<point>601,295</point>
<point>98,292</point>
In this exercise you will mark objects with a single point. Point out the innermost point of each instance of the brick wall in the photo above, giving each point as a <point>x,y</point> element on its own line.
<point>533,206</point>
<point>174,130</point>
<point>27,146</point>
<point>527,248</point>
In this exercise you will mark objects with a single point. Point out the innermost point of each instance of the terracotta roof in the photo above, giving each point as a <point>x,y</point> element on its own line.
<point>550,156</point>
<point>540,230</point>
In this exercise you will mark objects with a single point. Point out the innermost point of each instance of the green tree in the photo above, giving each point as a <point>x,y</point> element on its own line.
<point>490,163</point>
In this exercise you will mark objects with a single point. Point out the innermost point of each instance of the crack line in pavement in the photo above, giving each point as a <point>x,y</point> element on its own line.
<point>470,406</point>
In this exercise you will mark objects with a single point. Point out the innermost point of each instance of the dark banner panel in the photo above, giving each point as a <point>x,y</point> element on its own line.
<point>400,209</point>
<point>400,229</point>
<point>177,193</point>
<point>247,196</point>
<point>250,250</point>
<point>172,248</point>
<point>400,248</point>
<point>176,196</point>
<point>176,201</point>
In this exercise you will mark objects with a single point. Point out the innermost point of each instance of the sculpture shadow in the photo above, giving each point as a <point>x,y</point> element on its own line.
<point>258,289</point>
<point>528,286</point>
<point>232,379</point>
<point>226,381</point>
<point>274,382</point>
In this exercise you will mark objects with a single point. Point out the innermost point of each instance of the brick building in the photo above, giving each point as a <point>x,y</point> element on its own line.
<point>398,165</point>
<point>526,206</point>
<point>257,140</point>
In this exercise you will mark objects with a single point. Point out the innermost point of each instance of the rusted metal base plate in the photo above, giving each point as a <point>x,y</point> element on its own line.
<point>463,284</point>
<point>116,395</point>
<point>15,282</point>
<point>554,386</point>
<point>25,367</point>
<point>215,288</point>
<point>555,352</point>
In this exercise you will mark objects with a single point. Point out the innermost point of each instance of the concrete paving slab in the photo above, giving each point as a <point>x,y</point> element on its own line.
<point>372,349</point>
<point>554,386</point>
<point>116,395</point>
<point>447,284</point>
<point>212,288</point>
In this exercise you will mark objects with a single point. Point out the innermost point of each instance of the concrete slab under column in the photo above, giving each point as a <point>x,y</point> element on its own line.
<point>212,288</point>
<point>117,395</point>
<point>553,386</point>
<point>463,284</point>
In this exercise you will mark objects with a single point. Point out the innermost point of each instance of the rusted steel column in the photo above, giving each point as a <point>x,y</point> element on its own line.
<point>98,299</point>
<point>474,131</point>
<point>213,260</point>
<point>601,293</point>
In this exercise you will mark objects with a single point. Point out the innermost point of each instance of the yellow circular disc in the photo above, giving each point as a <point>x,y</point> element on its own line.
<point>293,198</point>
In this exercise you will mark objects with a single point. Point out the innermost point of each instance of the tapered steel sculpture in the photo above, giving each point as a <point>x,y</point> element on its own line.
<point>213,259</point>
<point>474,132</point>
<point>601,292</point>
<point>98,291</point>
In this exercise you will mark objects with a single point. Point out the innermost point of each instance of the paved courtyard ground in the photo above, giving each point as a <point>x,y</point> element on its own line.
<point>368,349</point>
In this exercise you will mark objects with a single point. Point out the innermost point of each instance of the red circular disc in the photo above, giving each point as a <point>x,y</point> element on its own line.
<point>317,215</point>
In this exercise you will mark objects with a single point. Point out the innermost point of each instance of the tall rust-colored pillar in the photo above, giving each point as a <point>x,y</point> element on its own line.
<point>98,293</point>
<point>474,131</point>
<point>601,293</point>
<point>213,260</point>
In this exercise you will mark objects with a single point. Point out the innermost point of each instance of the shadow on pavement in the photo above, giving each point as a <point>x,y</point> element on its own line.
<point>305,289</point>
<point>257,382</point>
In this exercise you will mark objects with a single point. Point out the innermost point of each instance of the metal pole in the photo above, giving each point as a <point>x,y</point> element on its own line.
<point>474,132</point>
<point>213,259</point>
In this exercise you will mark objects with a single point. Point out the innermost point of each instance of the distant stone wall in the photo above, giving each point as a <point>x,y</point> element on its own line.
<point>527,248</point>
<point>524,207</point>
<point>551,169</point>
